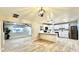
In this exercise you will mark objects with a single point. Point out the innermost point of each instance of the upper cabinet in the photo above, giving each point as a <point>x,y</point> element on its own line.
<point>61,26</point>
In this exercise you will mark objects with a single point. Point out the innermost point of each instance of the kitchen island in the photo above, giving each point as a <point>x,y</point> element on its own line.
<point>48,37</point>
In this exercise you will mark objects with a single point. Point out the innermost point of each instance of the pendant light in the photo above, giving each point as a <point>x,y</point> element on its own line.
<point>41,12</point>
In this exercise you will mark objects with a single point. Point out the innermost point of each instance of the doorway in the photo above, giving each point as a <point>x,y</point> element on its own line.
<point>73,32</point>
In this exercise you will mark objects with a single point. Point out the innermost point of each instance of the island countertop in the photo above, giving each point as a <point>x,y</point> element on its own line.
<point>48,33</point>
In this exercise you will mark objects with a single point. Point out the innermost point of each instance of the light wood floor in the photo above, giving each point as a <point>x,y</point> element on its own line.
<point>47,46</point>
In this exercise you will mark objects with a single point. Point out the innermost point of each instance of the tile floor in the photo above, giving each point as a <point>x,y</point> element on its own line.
<point>62,45</point>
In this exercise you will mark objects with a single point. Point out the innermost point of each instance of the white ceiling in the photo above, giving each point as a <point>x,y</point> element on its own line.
<point>58,13</point>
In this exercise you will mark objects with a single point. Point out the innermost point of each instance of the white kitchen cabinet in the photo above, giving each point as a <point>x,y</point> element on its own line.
<point>63,34</point>
<point>62,29</point>
<point>57,26</point>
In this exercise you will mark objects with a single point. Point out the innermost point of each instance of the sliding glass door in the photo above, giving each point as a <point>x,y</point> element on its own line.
<point>15,30</point>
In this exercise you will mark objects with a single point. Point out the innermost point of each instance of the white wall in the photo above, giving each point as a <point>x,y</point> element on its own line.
<point>0,34</point>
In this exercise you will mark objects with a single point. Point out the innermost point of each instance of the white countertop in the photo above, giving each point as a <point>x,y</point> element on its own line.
<point>48,33</point>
